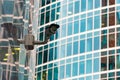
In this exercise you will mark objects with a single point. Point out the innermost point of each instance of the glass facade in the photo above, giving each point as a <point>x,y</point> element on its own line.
<point>15,17</point>
<point>86,46</point>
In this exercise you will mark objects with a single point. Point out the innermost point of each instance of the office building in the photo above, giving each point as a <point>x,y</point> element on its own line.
<point>86,46</point>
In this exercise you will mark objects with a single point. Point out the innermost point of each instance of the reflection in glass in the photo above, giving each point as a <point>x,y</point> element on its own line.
<point>83,5</point>
<point>103,41</point>
<point>103,63</point>
<point>81,67</point>
<point>111,62</point>
<point>111,19</point>
<point>96,22</point>
<point>90,4</point>
<point>96,65</point>
<point>83,24</point>
<point>111,2</point>
<point>75,47</point>
<point>118,61</point>
<point>62,69</point>
<point>69,49</point>
<point>104,3</point>
<point>96,43</point>
<point>89,66</point>
<point>89,23</point>
<point>76,27</point>
<point>70,9</point>
<point>82,46</point>
<point>69,28</point>
<point>97,3</point>
<point>104,20</point>
<point>55,73</point>
<point>118,39</point>
<point>53,15</point>
<point>111,40</point>
<point>49,74</point>
<point>75,69</point>
<point>89,44</point>
<point>77,6</point>
<point>118,17</point>
<point>68,70</point>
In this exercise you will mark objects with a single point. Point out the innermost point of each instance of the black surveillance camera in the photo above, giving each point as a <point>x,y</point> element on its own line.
<point>51,30</point>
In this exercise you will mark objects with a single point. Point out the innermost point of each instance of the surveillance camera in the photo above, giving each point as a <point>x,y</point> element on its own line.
<point>51,30</point>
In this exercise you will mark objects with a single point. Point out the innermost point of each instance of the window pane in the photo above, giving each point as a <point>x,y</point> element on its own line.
<point>69,32</point>
<point>103,63</point>
<point>111,19</point>
<point>47,16</point>
<point>83,24</point>
<point>104,20</point>
<point>96,65</point>
<point>40,58</point>
<point>96,43</point>
<point>104,2</point>
<point>89,44</point>
<point>118,61</point>
<point>96,22</point>
<point>42,19</point>
<point>118,39</point>
<point>118,17</point>
<point>64,11</point>
<point>82,67</point>
<point>52,15</point>
<point>82,46</point>
<point>76,27</point>
<point>77,6</point>
<point>45,56</point>
<point>90,4</point>
<point>89,23</point>
<point>62,69</point>
<point>111,2</point>
<point>75,69</point>
<point>118,1</point>
<point>51,54</point>
<point>88,66</point>
<point>83,5</point>
<point>111,62</point>
<point>104,41</point>
<point>68,70</point>
<point>111,40</point>
<point>75,47</point>
<point>97,3</point>
<point>49,74</point>
<point>55,73</point>
<point>70,9</point>
<point>69,49</point>
<point>62,51</point>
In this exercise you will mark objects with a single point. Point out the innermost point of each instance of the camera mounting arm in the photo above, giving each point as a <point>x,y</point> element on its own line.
<point>29,40</point>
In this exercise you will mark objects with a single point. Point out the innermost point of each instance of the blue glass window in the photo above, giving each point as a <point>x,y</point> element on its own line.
<point>69,49</point>
<point>45,56</point>
<point>104,41</point>
<point>111,62</point>
<point>81,67</point>
<point>75,47</point>
<point>70,9</point>
<point>88,66</point>
<point>43,2</point>
<point>40,58</point>
<point>76,27</point>
<point>62,69</point>
<point>96,43</point>
<point>89,44</point>
<point>118,1</point>
<point>118,61</point>
<point>96,65</point>
<point>55,73</point>
<point>89,23</point>
<point>75,69</point>
<point>62,51</point>
<point>118,17</point>
<point>52,15</point>
<point>68,70</point>
<point>90,4</point>
<point>51,54</point>
<point>42,19</point>
<point>82,46</point>
<point>69,32</point>
<point>83,25</point>
<point>49,74</point>
<point>96,22</point>
<point>63,31</point>
<point>118,39</point>
<point>64,10</point>
<point>8,7</point>
<point>97,3</point>
<point>77,6</point>
<point>83,5</point>
<point>89,78</point>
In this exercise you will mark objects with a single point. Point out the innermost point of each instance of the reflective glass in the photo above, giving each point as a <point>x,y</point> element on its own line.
<point>75,47</point>
<point>77,6</point>
<point>82,46</point>
<point>42,19</point>
<point>53,15</point>
<point>51,54</point>
<point>64,11</point>
<point>63,31</point>
<point>70,9</point>
<point>55,73</point>
<point>118,17</point>
<point>81,67</point>
<point>83,5</point>
<point>62,51</point>
<point>49,74</point>
<point>90,4</point>
<point>68,70</point>
<point>89,23</point>
<point>118,61</point>
<point>69,28</point>
<point>62,69</point>
<point>96,65</point>
<point>89,44</point>
<point>96,43</point>
<point>118,1</point>
<point>83,25</point>
<point>89,66</point>
<point>96,22</point>
<point>40,58</point>
<point>118,39</point>
<point>97,3</point>
<point>75,69</point>
<point>104,41</point>
<point>76,27</point>
<point>69,49</point>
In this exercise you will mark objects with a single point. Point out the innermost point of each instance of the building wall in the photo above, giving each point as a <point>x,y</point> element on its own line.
<point>15,17</point>
<point>86,46</point>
